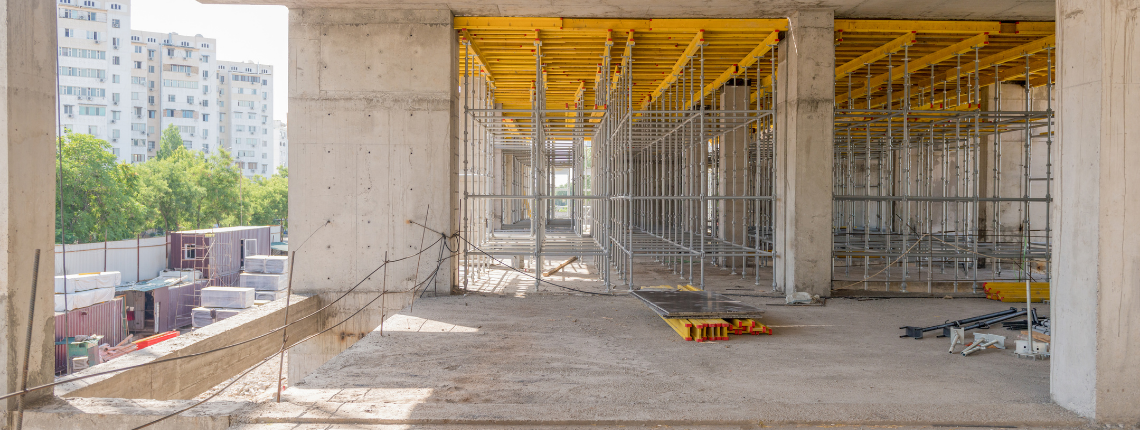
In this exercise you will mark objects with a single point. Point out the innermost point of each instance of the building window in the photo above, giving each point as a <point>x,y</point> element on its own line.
<point>190,99</point>
<point>68,109</point>
<point>138,50</point>
<point>188,144</point>
<point>205,45</point>
<point>150,69</point>
<point>205,117</point>
<point>169,52</point>
<point>150,54</point>
<point>168,113</point>
<point>93,110</point>
<point>170,98</point>
<point>67,32</point>
<point>150,114</point>
<point>93,130</point>
<point>115,6</point>
<point>114,79</point>
<point>138,158</point>
<point>151,40</point>
<point>187,114</point>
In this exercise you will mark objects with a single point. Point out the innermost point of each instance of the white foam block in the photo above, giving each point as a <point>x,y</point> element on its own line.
<point>202,317</point>
<point>85,282</point>
<point>264,281</point>
<point>227,297</point>
<point>82,299</point>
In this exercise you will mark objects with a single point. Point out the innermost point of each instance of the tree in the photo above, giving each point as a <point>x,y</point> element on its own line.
<point>97,197</point>
<point>267,199</point>
<point>171,143</point>
<point>218,178</point>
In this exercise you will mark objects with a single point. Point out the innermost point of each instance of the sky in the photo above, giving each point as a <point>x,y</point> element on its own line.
<point>243,33</point>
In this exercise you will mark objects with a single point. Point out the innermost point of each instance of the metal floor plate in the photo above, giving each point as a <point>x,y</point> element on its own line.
<point>696,304</point>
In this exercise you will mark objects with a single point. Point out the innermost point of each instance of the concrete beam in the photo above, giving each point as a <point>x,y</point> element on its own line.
<point>373,96</point>
<point>1096,302</point>
<point>1012,10</point>
<point>27,189</point>
<point>805,112</point>
<point>187,378</point>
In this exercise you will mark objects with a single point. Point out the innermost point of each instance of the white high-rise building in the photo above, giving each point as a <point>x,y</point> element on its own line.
<point>281,143</point>
<point>245,101</point>
<point>173,81</point>
<point>94,73</point>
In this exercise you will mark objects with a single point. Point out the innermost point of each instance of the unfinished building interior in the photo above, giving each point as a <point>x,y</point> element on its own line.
<point>478,187</point>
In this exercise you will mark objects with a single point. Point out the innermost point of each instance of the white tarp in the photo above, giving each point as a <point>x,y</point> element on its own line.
<point>87,281</point>
<point>227,297</point>
<point>82,299</point>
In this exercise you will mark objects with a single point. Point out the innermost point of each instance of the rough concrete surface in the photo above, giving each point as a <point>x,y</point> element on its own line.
<point>894,9</point>
<point>532,359</point>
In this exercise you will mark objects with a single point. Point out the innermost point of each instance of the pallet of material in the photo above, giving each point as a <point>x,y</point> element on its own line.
<point>264,281</point>
<point>201,317</point>
<point>1014,292</point>
<point>87,281</point>
<point>223,313</point>
<point>268,296</point>
<point>266,263</point>
<point>227,297</point>
<point>82,299</point>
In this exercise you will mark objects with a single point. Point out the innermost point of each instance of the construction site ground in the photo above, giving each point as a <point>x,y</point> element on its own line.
<point>507,355</point>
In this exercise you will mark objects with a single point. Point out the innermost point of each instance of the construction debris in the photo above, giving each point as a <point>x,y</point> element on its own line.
<point>983,341</point>
<point>560,266</point>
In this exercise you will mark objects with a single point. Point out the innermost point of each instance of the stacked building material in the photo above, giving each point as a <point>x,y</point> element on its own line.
<point>224,313</point>
<point>264,281</point>
<point>268,295</point>
<point>202,317</point>
<point>266,264</point>
<point>85,289</point>
<point>227,297</point>
<point>709,329</point>
<point>1014,292</point>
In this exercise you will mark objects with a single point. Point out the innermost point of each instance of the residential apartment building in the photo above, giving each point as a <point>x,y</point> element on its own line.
<point>245,101</point>
<point>173,82</point>
<point>94,73</point>
<point>281,144</point>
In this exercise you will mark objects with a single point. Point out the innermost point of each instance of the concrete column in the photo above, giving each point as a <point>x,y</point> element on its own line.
<point>372,113</point>
<point>734,172</point>
<point>27,189</point>
<point>1096,271</point>
<point>805,110</point>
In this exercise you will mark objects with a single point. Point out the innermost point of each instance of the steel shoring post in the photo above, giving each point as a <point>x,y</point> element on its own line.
<point>1048,162</point>
<point>703,147</point>
<point>537,222</point>
<point>906,171</point>
<point>995,266</point>
<point>867,191</point>
<point>466,172</point>
<point>976,167</point>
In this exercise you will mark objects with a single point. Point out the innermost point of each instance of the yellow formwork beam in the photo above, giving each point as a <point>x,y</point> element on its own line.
<point>603,24</point>
<point>735,69</point>
<point>1006,56</point>
<point>900,25</point>
<point>918,64</point>
<point>876,54</point>
<point>477,53</point>
<point>678,67</point>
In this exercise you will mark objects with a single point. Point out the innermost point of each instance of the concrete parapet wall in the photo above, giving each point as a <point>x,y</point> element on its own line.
<point>187,378</point>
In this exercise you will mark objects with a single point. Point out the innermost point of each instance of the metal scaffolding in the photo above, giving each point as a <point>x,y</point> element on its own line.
<point>947,174</point>
<point>683,177</point>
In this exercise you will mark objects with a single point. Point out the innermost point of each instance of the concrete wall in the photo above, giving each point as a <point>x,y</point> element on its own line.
<point>27,182</point>
<point>805,111</point>
<point>372,145</point>
<point>1096,301</point>
<point>184,379</point>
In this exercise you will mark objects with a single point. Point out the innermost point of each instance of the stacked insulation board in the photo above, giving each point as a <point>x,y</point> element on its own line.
<point>1014,292</point>
<point>266,264</point>
<point>264,281</point>
<point>85,289</point>
<point>707,329</point>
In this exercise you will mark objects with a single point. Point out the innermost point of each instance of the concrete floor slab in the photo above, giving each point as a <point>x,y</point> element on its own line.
<point>515,357</point>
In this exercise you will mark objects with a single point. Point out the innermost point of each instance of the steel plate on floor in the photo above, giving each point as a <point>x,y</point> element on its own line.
<point>696,304</point>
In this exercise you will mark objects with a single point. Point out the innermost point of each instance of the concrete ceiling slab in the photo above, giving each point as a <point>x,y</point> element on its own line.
<point>1010,10</point>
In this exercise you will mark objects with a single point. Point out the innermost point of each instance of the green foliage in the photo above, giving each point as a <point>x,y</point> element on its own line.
<point>99,197</point>
<point>178,189</point>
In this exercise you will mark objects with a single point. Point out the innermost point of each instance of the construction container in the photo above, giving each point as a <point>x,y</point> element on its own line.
<point>161,304</point>
<point>227,297</point>
<point>219,253</point>
<point>104,319</point>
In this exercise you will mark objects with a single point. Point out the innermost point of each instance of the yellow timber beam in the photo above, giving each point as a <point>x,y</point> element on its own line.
<point>735,69</point>
<point>1006,56</point>
<point>478,55</point>
<point>897,26</point>
<point>627,54</point>
<point>603,24</point>
<point>678,67</point>
<point>918,64</point>
<point>875,54</point>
